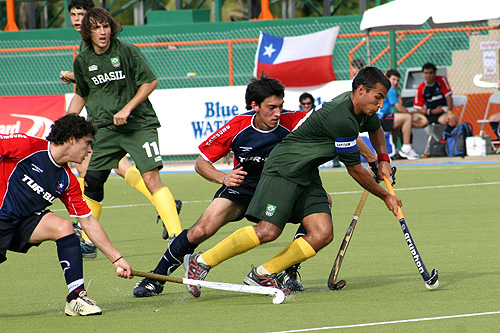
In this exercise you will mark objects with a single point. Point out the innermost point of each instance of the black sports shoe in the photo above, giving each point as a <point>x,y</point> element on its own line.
<point>265,280</point>
<point>178,205</point>
<point>148,287</point>
<point>293,281</point>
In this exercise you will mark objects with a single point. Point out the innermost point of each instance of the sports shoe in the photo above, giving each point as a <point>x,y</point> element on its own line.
<point>195,271</point>
<point>178,205</point>
<point>409,154</point>
<point>148,287</point>
<point>89,250</point>
<point>265,280</point>
<point>290,278</point>
<point>82,306</point>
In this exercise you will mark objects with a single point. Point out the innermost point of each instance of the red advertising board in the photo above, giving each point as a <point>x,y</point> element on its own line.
<point>32,115</point>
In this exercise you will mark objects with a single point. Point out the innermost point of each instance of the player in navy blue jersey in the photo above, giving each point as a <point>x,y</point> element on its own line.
<point>33,174</point>
<point>251,137</point>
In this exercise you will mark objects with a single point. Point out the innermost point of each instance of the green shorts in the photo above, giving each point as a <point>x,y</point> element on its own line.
<point>280,201</point>
<point>111,146</point>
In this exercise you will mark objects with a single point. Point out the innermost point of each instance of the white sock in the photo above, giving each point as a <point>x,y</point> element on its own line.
<point>405,147</point>
<point>262,271</point>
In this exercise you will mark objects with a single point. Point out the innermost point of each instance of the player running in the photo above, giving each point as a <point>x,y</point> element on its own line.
<point>33,174</point>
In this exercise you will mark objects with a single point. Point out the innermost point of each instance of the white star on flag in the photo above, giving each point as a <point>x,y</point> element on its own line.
<point>269,50</point>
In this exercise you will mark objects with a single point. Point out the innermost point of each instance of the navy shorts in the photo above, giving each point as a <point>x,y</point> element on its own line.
<point>14,235</point>
<point>241,194</point>
<point>387,123</point>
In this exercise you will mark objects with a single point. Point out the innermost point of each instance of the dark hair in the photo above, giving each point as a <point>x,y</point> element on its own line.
<point>358,63</point>
<point>81,4</point>
<point>369,77</point>
<point>261,88</point>
<point>94,17</point>
<point>68,126</point>
<point>305,96</point>
<point>429,65</point>
<point>392,72</point>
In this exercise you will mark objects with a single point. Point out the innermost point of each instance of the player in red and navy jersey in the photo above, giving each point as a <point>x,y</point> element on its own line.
<point>251,137</point>
<point>433,99</point>
<point>33,174</point>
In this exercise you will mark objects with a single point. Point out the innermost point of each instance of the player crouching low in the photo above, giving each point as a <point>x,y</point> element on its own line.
<point>33,173</point>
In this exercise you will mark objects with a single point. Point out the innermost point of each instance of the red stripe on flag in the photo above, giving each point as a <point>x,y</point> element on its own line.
<point>301,73</point>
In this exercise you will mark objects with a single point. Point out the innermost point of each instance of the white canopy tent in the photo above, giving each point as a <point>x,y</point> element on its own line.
<point>412,14</point>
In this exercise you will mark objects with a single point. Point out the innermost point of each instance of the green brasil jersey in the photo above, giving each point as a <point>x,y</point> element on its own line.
<point>330,130</point>
<point>110,80</point>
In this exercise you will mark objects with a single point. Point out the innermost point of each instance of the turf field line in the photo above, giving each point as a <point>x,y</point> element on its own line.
<point>390,322</point>
<point>331,193</point>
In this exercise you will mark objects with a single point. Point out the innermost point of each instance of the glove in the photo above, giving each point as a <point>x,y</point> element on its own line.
<point>374,168</point>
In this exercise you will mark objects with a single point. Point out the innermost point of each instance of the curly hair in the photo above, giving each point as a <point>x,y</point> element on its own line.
<point>94,17</point>
<point>69,126</point>
<point>261,88</point>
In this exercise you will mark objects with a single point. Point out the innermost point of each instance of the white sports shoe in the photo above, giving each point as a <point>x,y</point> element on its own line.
<point>409,154</point>
<point>82,306</point>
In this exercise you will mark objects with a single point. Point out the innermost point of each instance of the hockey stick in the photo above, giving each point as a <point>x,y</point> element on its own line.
<point>431,281</point>
<point>343,247</point>
<point>278,294</point>
<point>483,84</point>
<point>109,123</point>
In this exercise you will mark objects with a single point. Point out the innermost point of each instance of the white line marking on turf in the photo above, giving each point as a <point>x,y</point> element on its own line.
<point>390,322</point>
<point>331,193</point>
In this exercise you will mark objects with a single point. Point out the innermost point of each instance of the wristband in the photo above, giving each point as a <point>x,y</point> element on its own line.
<point>120,257</point>
<point>383,158</point>
<point>224,178</point>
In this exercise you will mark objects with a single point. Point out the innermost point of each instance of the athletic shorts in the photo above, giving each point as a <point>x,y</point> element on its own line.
<point>14,235</point>
<point>433,118</point>
<point>280,201</point>
<point>110,146</point>
<point>241,194</point>
<point>387,123</point>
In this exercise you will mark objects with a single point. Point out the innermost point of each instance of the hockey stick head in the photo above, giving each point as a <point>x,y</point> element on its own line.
<point>279,295</point>
<point>337,286</point>
<point>432,283</point>
<point>483,84</point>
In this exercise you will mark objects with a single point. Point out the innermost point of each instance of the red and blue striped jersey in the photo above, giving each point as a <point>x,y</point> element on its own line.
<point>30,179</point>
<point>250,145</point>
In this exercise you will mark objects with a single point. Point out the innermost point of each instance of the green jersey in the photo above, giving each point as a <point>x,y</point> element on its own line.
<point>110,80</point>
<point>328,131</point>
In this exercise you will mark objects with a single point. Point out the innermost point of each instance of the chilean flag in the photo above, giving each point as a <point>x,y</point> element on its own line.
<point>299,61</point>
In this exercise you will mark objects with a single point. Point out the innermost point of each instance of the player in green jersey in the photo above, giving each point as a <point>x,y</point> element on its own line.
<point>113,81</point>
<point>290,188</point>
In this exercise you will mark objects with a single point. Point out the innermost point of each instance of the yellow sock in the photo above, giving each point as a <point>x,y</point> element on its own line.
<point>238,242</point>
<point>81,181</point>
<point>295,252</point>
<point>165,205</point>
<point>133,178</point>
<point>96,208</point>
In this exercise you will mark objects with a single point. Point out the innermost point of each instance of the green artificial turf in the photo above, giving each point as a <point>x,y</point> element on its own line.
<point>451,211</point>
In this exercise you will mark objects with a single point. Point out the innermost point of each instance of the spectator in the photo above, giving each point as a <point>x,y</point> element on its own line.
<point>356,65</point>
<point>433,99</point>
<point>306,101</point>
<point>392,122</point>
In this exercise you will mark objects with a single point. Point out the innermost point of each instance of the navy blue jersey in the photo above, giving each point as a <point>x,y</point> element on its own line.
<point>251,146</point>
<point>30,179</point>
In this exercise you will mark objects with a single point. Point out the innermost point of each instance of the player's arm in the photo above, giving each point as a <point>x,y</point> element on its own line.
<point>98,236</point>
<point>77,104</point>
<point>377,139</point>
<point>365,151</point>
<point>141,95</point>
<point>207,170</point>
<point>363,177</point>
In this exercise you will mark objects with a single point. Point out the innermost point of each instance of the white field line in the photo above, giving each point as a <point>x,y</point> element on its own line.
<point>390,322</point>
<point>331,193</point>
